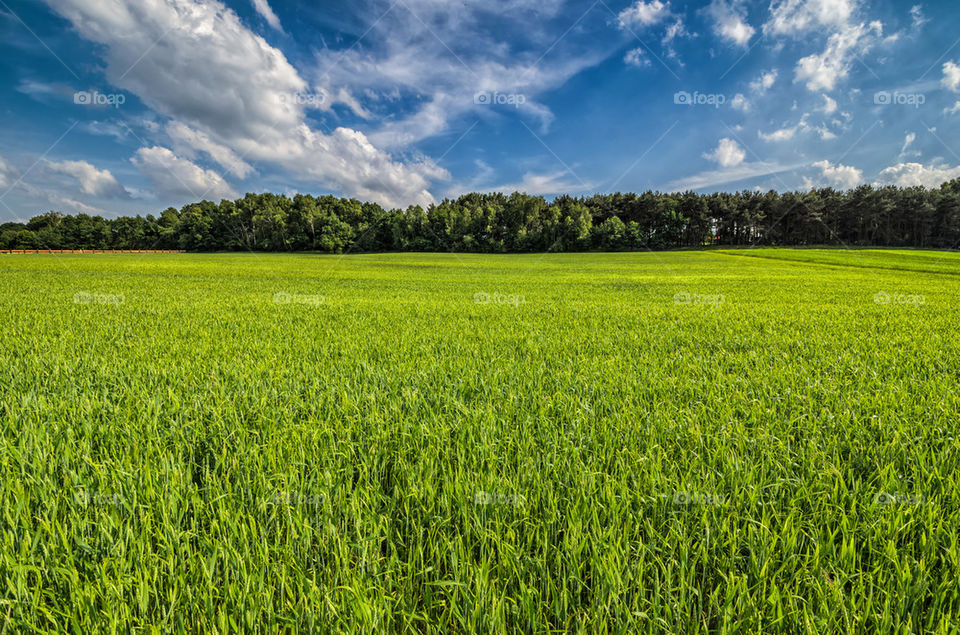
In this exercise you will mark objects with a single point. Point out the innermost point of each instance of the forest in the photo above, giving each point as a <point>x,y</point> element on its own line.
<point>499,223</point>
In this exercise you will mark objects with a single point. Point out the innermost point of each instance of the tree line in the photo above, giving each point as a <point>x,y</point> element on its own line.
<point>498,223</point>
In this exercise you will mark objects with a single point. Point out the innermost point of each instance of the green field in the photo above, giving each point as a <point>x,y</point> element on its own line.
<point>748,440</point>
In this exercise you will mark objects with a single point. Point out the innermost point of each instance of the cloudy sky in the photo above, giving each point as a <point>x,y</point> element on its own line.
<point>130,106</point>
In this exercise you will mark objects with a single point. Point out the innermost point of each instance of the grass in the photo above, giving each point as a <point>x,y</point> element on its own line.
<point>658,442</point>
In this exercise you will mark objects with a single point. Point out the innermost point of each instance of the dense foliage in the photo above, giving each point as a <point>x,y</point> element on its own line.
<point>865,216</point>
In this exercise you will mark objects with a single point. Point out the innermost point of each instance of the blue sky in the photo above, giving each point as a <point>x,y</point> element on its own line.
<point>130,106</point>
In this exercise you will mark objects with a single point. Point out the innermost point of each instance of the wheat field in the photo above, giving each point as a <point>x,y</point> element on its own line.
<point>750,440</point>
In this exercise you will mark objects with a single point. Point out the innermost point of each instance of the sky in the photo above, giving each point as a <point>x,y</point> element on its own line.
<point>120,107</point>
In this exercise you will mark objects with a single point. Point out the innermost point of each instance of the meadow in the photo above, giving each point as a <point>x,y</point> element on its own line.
<point>757,440</point>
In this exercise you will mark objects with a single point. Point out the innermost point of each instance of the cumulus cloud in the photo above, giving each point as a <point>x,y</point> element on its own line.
<point>783,134</point>
<point>822,71</point>
<point>209,73</point>
<point>951,81</point>
<point>643,13</point>
<point>793,17</point>
<point>729,21</point>
<point>727,154</point>
<point>846,40</point>
<point>11,181</point>
<point>842,176</point>
<point>187,140</point>
<point>763,83</point>
<point>913,174</point>
<point>951,76</point>
<point>263,8</point>
<point>179,178</point>
<point>95,182</point>
<point>740,102</point>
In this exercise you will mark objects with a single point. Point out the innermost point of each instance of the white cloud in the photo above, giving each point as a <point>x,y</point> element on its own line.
<point>69,205</point>
<point>263,8</point>
<point>7,176</point>
<point>830,104</point>
<point>100,183</point>
<point>212,75</point>
<point>643,13</point>
<point>916,12</point>
<point>428,89</point>
<point>912,174</point>
<point>740,102</point>
<point>343,96</point>
<point>713,178</point>
<point>47,193</point>
<point>909,139</point>
<point>179,178</point>
<point>763,83</point>
<point>846,38</point>
<point>784,134</point>
<point>802,126</point>
<point>951,76</point>
<point>637,57</point>
<point>823,71</point>
<point>187,140</point>
<point>551,183</point>
<point>793,17</point>
<point>727,154</point>
<point>107,129</point>
<point>729,21</point>
<point>41,91</point>
<point>955,109</point>
<point>843,176</point>
<point>674,30</point>
<point>483,174</point>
